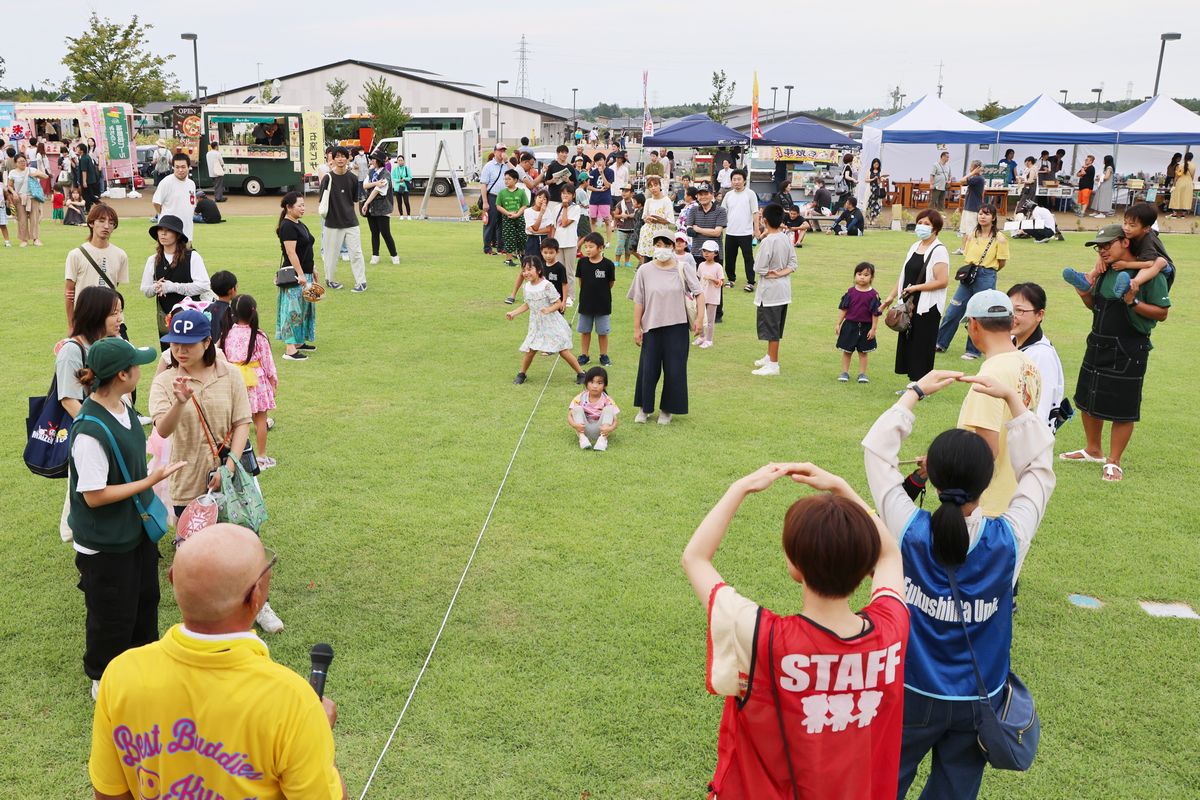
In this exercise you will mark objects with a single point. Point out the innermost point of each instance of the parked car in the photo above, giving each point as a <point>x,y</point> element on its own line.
<point>145,160</point>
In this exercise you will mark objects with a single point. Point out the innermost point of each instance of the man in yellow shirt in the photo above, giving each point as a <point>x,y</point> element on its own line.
<point>989,318</point>
<point>205,712</point>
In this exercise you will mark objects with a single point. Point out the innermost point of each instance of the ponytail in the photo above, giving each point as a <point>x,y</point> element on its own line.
<point>287,202</point>
<point>960,465</point>
<point>86,378</point>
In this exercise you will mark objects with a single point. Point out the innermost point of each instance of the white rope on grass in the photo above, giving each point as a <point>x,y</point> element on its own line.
<point>462,578</point>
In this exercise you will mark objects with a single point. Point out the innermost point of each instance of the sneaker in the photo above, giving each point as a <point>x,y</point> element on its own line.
<point>296,356</point>
<point>939,349</point>
<point>664,418</point>
<point>307,346</point>
<point>508,262</point>
<point>374,259</point>
<point>585,359</point>
<point>605,361</point>
<point>862,378</point>
<point>749,287</point>
<point>395,259</point>
<point>268,620</point>
<point>519,379</point>
<point>958,252</point>
<point>601,443</point>
<point>270,423</point>
<point>641,417</point>
<point>720,318</point>
<point>266,462</point>
<point>333,284</point>
<point>584,443</point>
<point>1122,284</point>
<point>1077,279</point>
<point>7,243</point>
<point>767,369</point>
<point>730,284</point>
<point>707,343</point>
<point>345,256</point>
<point>570,302</point>
<point>844,377</point>
<point>969,356</point>
<point>699,340</point>
<point>580,378</point>
<point>95,690</point>
<point>508,301</point>
<point>762,362</point>
<point>359,288</point>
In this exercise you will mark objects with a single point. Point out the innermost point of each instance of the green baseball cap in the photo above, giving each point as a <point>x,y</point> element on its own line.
<point>113,354</point>
<point>1109,233</point>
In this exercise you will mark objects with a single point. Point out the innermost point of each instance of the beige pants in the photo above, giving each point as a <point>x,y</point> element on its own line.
<point>64,530</point>
<point>29,223</point>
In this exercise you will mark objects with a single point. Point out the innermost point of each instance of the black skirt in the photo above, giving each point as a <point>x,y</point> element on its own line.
<point>1111,377</point>
<point>914,347</point>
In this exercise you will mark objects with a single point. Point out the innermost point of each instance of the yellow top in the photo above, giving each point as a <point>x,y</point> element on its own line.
<point>973,252</point>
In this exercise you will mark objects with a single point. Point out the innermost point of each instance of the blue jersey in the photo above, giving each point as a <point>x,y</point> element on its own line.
<point>939,662</point>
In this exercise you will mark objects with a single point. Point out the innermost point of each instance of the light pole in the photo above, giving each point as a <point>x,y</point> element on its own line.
<point>1064,94</point>
<point>191,37</point>
<point>788,113</point>
<point>574,114</point>
<point>498,83</point>
<point>774,94</point>
<point>1096,116</point>
<point>1166,37</point>
<point>203,90</point>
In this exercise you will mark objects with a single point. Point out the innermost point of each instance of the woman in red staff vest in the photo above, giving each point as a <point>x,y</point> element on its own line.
<point>814,701</point>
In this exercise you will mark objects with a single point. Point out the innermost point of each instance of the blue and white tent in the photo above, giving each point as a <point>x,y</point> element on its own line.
<point>1159,120</point>
<point>1044,121</point>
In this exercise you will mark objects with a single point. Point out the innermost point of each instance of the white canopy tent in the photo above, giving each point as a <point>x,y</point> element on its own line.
<point>902,141</point>
<point>1159,120</point>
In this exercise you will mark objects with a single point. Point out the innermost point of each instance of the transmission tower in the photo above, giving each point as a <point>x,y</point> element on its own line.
<point>523,52</point>
<point>1129,91</point>
<point>941,64</point>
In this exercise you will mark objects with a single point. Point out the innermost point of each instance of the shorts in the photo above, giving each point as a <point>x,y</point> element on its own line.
<point>1085,196</point>
<point>967,223</point>
<point>601,322</point>
<point>771,320</point>
<point>599,211</point>
<point>626,243</point>
<point>854,337</point>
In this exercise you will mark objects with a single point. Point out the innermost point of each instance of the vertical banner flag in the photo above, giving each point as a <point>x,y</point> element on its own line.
<point>647,120</point>
<point>116,132</point>
<point>313,137</point>
<point>755,128</point>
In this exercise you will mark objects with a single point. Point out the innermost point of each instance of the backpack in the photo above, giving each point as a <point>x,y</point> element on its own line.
<point>48,429</point>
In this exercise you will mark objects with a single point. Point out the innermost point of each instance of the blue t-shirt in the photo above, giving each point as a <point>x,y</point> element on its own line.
<point>938,662</point>
<point>601,198</point>
<point>974,198</point>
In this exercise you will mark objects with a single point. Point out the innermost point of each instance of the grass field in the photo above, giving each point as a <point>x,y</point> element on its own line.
<point>574,662</point>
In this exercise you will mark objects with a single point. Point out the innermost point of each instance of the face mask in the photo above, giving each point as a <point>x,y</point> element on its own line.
<point>923,232</point>
<point>662,254</point>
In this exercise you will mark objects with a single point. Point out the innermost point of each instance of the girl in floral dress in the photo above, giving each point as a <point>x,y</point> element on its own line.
<point>249,349</point>
<point>549,331</point>
<point>658,216</point>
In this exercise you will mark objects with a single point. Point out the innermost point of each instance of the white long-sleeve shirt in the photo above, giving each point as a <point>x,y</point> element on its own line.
<point>1030,447</point>
<point>199,282</point>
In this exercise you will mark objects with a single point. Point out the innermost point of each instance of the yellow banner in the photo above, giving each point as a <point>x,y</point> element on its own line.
<point>313,137</point>
<point>822,155</point>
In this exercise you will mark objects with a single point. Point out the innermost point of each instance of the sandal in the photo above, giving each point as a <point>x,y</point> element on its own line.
<point>1112,473</point>
<point>1081,455</point>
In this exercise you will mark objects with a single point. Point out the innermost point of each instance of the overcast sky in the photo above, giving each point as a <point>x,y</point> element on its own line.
<point>1010,51</point>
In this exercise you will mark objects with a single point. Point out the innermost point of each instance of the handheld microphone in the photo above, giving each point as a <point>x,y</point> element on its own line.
<point>322,657</point>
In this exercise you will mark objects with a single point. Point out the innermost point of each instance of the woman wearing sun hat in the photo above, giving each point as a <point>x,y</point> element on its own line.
<point>175,271</point>
<point>198,380</point>
<point>117,562</point>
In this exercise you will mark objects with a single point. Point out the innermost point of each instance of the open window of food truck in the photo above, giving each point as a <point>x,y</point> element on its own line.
<point>105,127</point>
<point>261,147</point>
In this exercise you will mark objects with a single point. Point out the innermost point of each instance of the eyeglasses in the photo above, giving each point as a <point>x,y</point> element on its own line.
<point>274,558</point>
<point>1017,310</point>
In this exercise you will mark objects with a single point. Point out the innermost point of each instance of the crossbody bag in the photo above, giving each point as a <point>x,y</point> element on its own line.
<point>967,273</point>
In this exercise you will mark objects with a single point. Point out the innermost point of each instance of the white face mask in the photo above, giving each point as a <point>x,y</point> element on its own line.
<point>662,254</point>
<point>923,232</point>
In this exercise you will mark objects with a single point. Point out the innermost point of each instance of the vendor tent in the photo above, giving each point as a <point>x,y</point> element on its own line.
<point>1159,120</point>
<point>1042,121</point>
<point>902,141</point>
<point>803,133</point>
<point>696,130</point>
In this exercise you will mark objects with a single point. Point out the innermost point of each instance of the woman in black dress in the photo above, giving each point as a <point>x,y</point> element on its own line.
<point>923,283</point>
<point>878,191</point>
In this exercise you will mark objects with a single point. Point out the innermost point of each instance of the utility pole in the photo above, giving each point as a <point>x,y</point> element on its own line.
<point>523,52</point>
<point>941,65</point>
<point>895,95</point>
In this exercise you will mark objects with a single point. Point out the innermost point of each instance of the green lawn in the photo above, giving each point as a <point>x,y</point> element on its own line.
<point>573,663</point>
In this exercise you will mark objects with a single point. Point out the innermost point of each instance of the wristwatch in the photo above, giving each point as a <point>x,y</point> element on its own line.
<point>917,389</point>
<point>1135,303</point>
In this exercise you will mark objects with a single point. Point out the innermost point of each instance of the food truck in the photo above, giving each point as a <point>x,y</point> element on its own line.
<point>264,147</point>
<point>106,127</point>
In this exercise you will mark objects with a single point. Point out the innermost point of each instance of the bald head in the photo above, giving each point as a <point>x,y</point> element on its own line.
<point>213,571</point>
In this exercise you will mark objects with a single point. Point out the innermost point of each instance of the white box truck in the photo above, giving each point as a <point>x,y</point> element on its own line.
<point>418,143</point>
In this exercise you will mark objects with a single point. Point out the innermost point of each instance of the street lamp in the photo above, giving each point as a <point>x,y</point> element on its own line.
<point>1096,116</point>
<point>1166,37</point>
<point>574,115</point>
<point>1064,94</point>
<point>774,94</point>
<point>191,37</point>
<point>788,113</point>
<point>498,83</point>
<point>203,92</point>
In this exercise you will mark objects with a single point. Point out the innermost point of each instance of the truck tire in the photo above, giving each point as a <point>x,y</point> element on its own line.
<point>253,186</point>
<point>442,188</point>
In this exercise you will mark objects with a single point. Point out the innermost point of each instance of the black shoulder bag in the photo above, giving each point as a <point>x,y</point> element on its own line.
<point>967,273</point>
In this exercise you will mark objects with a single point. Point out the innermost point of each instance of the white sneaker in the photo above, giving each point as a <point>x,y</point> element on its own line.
<point>395,259</point>
<point>664,418</point>
<point>770,368</point>
<point>268,620</point>
<point>699,340</point>
<point>7,243</point>
<point>641,417</point>
<point>345,256</point>
<point>707,343</point>
<point>762,362</point>
<point>570,302</point>
<point>374,259</point>
<point>601,443</point>
<point>584,443</point>
<point>969,356</point>
<point>95,690</point>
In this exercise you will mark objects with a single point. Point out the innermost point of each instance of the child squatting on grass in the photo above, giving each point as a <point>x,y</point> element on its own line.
<point>549,331</point>
<point>592,413</point>
<point>858,317</point>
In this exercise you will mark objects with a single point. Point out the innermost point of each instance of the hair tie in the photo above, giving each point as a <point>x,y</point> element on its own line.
<point>956,496</point>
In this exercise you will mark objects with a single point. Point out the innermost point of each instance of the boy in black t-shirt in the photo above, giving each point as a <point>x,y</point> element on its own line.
<point>596,275</point>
